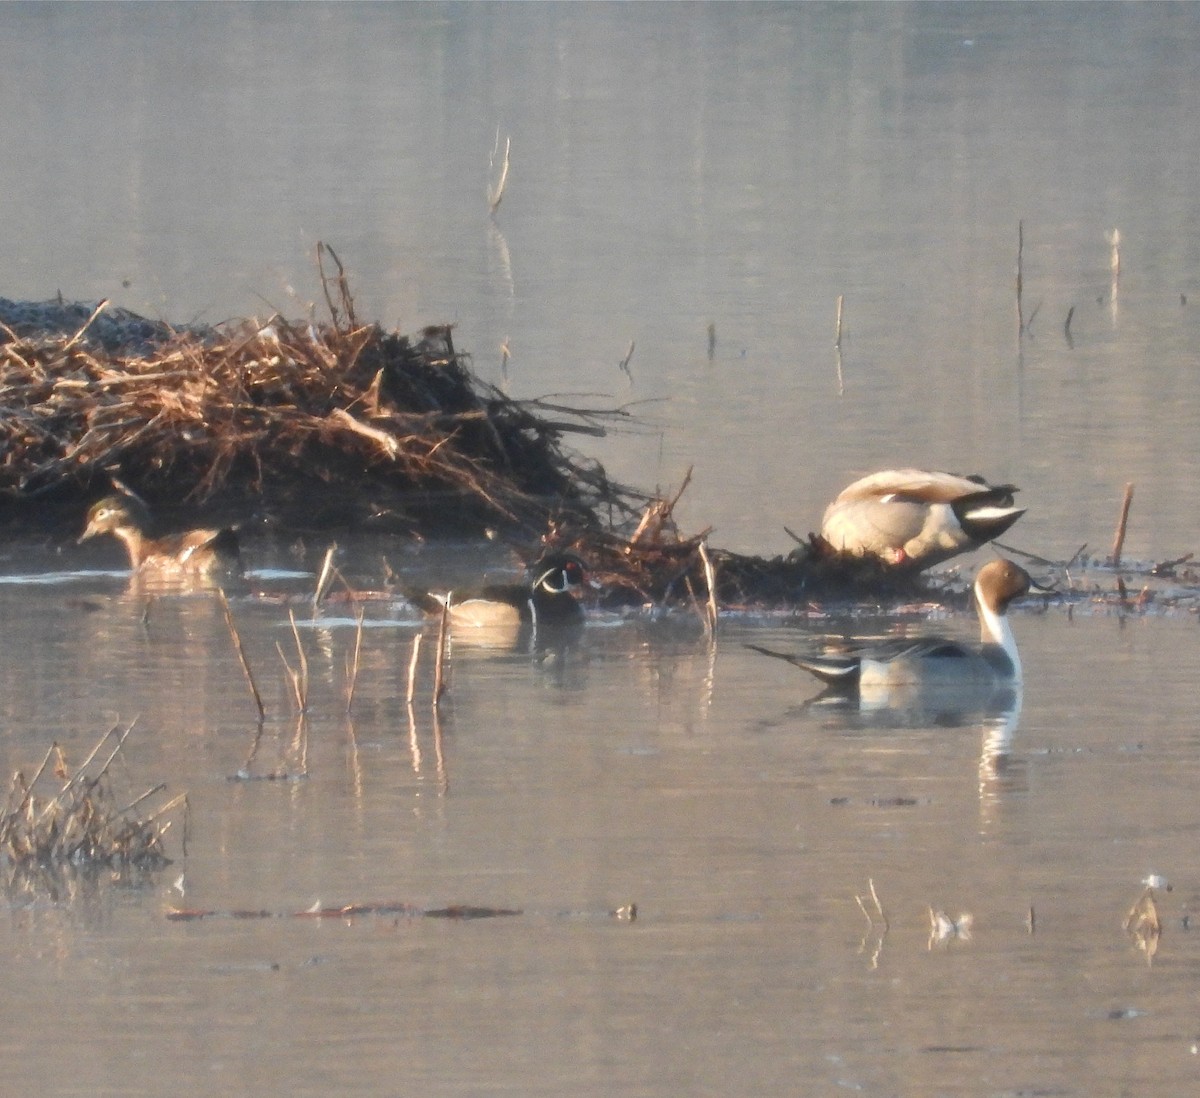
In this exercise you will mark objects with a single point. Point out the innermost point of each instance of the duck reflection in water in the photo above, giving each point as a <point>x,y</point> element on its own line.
<point>938,682</point>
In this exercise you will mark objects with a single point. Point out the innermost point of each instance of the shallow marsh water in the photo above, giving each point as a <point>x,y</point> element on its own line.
<point>638,765</point>
<point>672,167</point>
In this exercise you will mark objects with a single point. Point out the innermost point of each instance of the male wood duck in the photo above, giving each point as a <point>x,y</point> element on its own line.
<point>934,661</point>
<point>191,552</point>
<point>913,519</point>
<point>548,599</point>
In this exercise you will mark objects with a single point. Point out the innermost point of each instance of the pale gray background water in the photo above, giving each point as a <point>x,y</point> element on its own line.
<point>672,167</point>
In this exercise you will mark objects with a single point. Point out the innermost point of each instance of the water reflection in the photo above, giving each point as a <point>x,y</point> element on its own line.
<point>994,709</point>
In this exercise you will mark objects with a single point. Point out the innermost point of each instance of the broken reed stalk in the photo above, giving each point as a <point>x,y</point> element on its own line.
<point>624,363</point>
<point>439,684</point>
<point>324,578</point>
<point>1122,522</point>
<point>1020,262</point>
<point>352,670</point>
<point>496,195</point>
<point>299,677</point>
<point>343,286</point>
<point>710,581</point>
<point>80,334</point>
<point>837,341</point>
<point>412,669</point>
<point>241,655</point>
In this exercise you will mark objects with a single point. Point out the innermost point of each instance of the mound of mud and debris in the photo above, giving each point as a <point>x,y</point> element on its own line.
<point>316,425</point>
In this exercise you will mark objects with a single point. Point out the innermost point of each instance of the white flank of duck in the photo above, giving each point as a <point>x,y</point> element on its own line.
<point>934,661</point>
<point>915,518</point>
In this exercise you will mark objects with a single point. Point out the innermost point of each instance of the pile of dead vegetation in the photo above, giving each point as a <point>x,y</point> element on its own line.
<point>316,425</point>
<point>306,426</point>
<point>62,819</point>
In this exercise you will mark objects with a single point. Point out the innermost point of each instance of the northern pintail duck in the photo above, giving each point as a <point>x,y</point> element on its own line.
<point>191,552</point>
<point>914,519</point>
<point>549,598</point>
<point>934,662</point>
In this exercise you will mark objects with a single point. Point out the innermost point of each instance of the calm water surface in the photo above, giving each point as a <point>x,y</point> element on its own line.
<point>673,167</point>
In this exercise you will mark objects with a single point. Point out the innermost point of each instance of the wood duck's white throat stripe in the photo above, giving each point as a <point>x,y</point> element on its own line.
<point>544,581</point>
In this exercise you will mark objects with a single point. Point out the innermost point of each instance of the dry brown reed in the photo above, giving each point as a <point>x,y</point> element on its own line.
<point>82,822</point>
<point>241,655</point>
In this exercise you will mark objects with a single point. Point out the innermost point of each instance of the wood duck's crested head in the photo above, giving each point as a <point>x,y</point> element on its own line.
<point>113,515</point>
<point>558,573</point>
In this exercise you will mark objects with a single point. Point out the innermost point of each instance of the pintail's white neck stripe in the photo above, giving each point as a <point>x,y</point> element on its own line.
<point>998,630</point>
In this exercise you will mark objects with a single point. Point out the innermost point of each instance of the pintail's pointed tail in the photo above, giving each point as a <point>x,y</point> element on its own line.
<point>839,671</point>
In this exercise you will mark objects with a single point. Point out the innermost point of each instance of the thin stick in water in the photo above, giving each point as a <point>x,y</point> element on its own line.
<point>710,580</point>
<point>303,664</point>
<point>496,195</point>
<point>837,341</point>
<point>325,577</point>
<point>412,669</point>
<point>439,663</point>
<point>352,673</point>
<point>1020,262</point>
<point>624,363</point>
<point>1122,522</point>
<point>241,654</point>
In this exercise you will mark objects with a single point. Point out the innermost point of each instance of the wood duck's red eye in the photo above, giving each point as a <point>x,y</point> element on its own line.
<point>573,571</point>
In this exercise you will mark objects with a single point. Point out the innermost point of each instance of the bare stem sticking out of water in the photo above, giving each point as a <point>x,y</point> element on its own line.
<point>412,669</point>
<point>1020,276</point>
<point>325,578</point>
<point>353,662</point>
<point>878,906</point>
<point>624,363</point>
<point>1122,522</point>
<point>712,341</point>
<point>298,677</point>
<point>837,339</point>
<point>496,194</point>
<point>241,655</point>
<point>439,664</point>
<point>710,581</point>
<point>877,930</point>
<point>1067,327</point>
